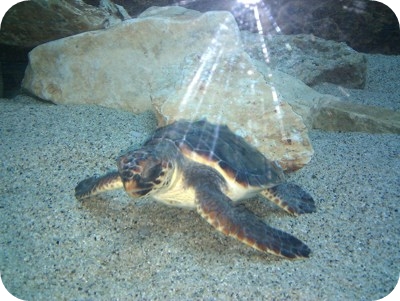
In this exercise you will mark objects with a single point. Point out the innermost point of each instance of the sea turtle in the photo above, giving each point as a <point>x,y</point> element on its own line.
<point>207,167</point>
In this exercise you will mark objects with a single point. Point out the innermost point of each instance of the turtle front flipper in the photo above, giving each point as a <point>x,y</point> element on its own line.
<point>291,198</point>
<point>95,185</point>
<point>245,226</point>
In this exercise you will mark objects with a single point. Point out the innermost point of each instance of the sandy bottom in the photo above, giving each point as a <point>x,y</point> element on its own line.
<point>116,248</point>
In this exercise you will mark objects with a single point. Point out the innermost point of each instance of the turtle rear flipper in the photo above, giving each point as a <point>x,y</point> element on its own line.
<point>245,226</point>
<point>95,185</point>
<point>291,198</point>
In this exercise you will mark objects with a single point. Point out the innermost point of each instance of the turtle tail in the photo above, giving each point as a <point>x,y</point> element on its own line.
<point>95,185</point>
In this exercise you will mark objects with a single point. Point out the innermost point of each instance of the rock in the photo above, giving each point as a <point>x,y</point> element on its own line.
<point>168,11</point>
<point>367,26</point>
<point>327,112</point>
<point>238,96</point>
<point>181,64</point>
<point>30,23</point>
<point>342,116</point>
<point>310,59</point>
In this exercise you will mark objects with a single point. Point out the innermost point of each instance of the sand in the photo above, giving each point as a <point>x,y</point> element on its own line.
<point>116,248</point>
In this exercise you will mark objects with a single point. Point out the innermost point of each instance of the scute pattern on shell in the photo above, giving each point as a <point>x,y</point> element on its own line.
<point>244,163</point>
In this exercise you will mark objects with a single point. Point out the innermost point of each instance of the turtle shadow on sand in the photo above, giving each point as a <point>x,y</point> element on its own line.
<point>188,230</point>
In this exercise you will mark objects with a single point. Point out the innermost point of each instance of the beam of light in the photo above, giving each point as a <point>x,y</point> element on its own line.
<point>261,33</point>
<point>203,76</point>
<point>249,2</point>
<point>264,49</point>
<point>209,62</point>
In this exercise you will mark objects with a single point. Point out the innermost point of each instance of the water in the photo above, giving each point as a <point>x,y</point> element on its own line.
<point>116,247</point>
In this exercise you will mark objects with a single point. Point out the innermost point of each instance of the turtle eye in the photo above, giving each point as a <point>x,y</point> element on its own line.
<point>127,175</point>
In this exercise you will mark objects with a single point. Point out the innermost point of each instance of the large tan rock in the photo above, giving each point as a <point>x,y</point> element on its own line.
<point>180,63</point>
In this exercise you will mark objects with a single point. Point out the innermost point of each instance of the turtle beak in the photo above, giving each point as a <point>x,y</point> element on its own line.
<point>135,188</point>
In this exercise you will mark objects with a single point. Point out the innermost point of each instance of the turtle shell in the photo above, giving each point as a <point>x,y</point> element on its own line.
<point>218,147</point>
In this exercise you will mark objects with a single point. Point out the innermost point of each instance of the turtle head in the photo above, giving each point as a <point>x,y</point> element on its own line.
<point>143,172</point>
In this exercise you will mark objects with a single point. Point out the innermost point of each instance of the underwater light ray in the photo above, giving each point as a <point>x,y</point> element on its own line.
<point>199,84</point>
<point>209,62</point>
<point>193,84</point>
<point>210,74</point>
<point>265,52</point>
<point>214,143</point>
<point>249,2</point>
<point>261,33</point>
<point>202,78</point>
